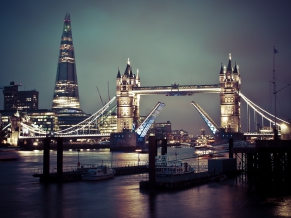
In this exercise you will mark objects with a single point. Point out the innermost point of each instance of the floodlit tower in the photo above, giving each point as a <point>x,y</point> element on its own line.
<point>230,82</point>
<point>66,94</point>
<point>127,102</point>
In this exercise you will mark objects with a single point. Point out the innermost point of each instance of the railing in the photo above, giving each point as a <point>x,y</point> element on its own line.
<point>39,170</point>
<point>190,89</point>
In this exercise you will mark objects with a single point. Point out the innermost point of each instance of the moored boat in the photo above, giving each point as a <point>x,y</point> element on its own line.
<point>99,173</point>
<point>171,168</point>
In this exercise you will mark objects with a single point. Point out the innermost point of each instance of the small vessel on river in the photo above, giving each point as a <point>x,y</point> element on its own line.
<point>171,168</point>
<point>99,173</point>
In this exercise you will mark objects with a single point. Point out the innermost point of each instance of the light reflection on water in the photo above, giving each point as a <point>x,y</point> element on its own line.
<point>23,196</point>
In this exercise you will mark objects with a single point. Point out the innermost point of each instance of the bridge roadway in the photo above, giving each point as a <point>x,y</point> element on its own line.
<point>177,90</point>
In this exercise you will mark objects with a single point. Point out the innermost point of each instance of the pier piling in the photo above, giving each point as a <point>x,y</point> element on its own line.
<point>46,159</point>
<point>60,159</point>
<point>164,147</point>
<point>152,162</point>
<point>230,152</point>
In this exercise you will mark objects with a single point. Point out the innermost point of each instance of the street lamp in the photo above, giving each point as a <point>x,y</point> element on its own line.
<point>78,150</point>
<point>138,150</point>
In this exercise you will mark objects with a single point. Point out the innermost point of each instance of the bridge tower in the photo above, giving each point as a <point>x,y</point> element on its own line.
<point>127,102</point>
<point>230,82</point>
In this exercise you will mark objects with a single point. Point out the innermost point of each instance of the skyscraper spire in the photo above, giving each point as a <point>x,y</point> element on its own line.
<point>66,93</point>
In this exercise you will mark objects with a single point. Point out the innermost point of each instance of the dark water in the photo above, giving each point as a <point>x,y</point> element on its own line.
<point>21,195</point>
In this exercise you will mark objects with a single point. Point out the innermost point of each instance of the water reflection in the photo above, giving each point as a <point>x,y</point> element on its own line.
<point>23,196</point>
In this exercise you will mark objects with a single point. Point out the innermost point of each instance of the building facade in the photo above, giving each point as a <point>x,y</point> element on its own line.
<point>19,100</point>
<point>108,125</point>
<point>163,130</point>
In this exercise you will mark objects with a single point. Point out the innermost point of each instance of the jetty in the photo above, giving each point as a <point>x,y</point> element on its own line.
<point>76,174</point>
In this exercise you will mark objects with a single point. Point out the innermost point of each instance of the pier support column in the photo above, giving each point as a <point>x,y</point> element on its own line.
<point>60,159</point>
<point>46,159</point>
<point>288,167</point>
<point>164,146</point>
<point>152,162</point>
<point>230,146</point>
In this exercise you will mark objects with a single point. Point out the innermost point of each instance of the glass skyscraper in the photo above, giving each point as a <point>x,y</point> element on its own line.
<point>66,94</point>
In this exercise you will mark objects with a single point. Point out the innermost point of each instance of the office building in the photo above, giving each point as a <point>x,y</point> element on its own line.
<point>19,100</point>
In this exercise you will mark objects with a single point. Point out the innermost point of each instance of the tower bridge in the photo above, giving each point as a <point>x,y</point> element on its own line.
<point>129,91</point>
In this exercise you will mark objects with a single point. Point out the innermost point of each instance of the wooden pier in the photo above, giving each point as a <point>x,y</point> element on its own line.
<point>266,165</point>
<point>76,175</point>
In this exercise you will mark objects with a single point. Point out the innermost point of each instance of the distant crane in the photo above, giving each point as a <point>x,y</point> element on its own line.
<point>100,96</point>
<point>108,92</point>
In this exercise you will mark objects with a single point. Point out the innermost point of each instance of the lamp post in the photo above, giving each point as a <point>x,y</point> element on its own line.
<point>138,150</point>
<point>78,150</point>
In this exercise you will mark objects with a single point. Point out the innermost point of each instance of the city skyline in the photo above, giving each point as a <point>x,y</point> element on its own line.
<point>168,41</point>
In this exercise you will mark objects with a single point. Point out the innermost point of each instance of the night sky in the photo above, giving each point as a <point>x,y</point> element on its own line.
<point>181,42</point>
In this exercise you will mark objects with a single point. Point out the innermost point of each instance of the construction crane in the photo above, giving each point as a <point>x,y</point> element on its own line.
<point>108,92</point>
<point>100,95</point>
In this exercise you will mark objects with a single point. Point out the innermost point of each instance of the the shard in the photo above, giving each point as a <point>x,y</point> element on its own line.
<point>66,94</point>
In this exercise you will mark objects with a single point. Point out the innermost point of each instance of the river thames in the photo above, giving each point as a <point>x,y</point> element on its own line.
<point>22,195</point>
